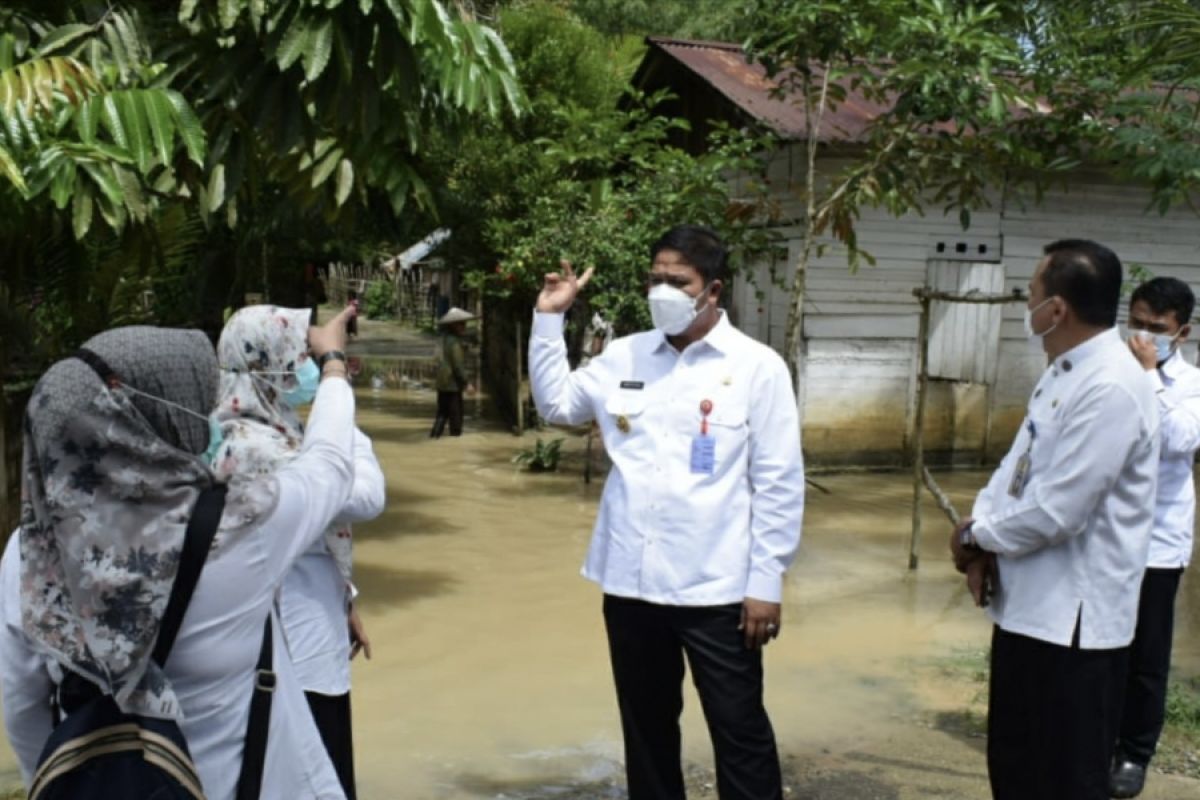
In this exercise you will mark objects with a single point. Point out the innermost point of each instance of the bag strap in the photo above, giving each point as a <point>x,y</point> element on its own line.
<point>201,529</point>
<point>254,752</point>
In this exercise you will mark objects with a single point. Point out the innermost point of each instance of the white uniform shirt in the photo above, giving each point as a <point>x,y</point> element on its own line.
<point>314,601</point>
<point>1073,544</point>
<point>211,666</point>
<point>1178,386</point>
<point>664,533</point>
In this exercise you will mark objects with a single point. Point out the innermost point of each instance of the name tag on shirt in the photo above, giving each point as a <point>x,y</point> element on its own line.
<point>636,385</point>
<point>703,454</point>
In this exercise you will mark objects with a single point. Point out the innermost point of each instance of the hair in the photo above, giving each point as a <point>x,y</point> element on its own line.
<point>700,247</point>
<point>1167,294</point>
<point>1088,276</point>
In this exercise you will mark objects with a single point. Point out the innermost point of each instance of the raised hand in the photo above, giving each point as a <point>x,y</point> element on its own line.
<point>560,289</point>
<point>330,336</point>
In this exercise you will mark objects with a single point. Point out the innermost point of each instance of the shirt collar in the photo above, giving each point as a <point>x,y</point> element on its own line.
<point>1080,353</point>
<point>1174,365</point>
<point>720,338</point>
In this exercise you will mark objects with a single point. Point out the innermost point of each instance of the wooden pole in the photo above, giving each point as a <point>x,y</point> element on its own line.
<point>479,358</point>
<point>918,442</point>
<point>520,407</point>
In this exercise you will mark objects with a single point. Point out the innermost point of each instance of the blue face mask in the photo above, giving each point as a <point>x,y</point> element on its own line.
<point>216,438</point>
<point>308,377</point>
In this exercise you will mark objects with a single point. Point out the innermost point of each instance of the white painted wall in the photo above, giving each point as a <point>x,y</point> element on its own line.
<point>861,326</point>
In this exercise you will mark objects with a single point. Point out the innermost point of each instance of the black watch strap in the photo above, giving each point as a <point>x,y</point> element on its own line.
<point>332,355</point>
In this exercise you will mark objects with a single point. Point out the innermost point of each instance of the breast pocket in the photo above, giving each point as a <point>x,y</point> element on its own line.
<point>624,419</point>
<point>729,428</point>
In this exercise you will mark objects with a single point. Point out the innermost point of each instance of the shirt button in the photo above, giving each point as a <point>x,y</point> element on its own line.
<point>1066,365</point>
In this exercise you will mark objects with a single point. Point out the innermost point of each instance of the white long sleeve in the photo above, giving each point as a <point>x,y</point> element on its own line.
<point>25,684</point>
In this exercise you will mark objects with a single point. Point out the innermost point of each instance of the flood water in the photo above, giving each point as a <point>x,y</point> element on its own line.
<point>490,675</point>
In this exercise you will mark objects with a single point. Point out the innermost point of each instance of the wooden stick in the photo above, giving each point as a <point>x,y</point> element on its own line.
<point>939,497</point>
<point>918,440</point>
<point>924,293</point>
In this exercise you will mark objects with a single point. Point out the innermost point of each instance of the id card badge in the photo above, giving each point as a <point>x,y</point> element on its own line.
<point>703,454</point>
<point>1016,486</point>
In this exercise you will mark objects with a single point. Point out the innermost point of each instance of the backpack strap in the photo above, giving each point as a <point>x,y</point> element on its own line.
<point>201,529</point>
<point>254,752</point>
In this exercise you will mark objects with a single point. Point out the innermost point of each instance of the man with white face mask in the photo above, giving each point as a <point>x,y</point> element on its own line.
<point>700,516</point>
<point>1065,520</point>
<point>1159,315</point>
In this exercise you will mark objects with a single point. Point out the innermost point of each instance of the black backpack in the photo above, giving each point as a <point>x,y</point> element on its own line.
<point>99,752</point>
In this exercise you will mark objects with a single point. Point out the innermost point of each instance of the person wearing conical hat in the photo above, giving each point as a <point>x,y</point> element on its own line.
<point>452,372</point>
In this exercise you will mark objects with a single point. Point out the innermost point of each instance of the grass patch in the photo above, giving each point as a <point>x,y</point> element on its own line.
<point>966,664</point>
<point>1179,747</point>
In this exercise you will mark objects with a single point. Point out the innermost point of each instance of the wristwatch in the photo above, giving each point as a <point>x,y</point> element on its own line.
<point>967,539</point>
<point>332,355</point>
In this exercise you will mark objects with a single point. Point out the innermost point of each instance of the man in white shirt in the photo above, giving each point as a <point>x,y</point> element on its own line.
<point>700,515</point>
<point>1066,517</point>
<point>1159,315</point>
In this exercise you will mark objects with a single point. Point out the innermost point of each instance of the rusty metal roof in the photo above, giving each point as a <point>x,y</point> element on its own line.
<point>725,68</point>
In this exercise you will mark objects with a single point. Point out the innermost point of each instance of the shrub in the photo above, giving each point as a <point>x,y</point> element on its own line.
<point>379,301</point>
<point>542,457</point>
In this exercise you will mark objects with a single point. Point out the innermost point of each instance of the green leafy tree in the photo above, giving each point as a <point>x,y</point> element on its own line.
<point>955,83</point>
<point>193,142</point>
<point>587,175</point>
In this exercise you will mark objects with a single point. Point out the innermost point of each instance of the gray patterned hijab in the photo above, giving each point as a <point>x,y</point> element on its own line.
<point>109,480</point>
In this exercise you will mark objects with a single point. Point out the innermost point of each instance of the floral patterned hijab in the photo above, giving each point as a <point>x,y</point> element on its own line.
<point>260,350</point>
<point>109,477</point>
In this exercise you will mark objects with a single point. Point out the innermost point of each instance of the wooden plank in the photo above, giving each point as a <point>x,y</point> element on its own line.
<point>862,327</point>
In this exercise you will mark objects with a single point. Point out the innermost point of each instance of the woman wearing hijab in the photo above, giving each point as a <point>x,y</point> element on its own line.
<point>259,348</point>
<point>112,469</point>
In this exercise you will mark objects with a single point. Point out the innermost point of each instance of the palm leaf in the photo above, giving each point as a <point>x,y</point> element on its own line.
<point>62,37</point>
<point>295,42</point>
<point>10,170</point>
<point>320,49</point>
<point>137,127</point>
<point>188,126</point>
<point>81,212</point>
<point>37,84</point>
<point>161,118</point>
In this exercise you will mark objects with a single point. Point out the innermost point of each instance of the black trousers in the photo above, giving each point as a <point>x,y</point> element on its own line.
<point>1145,704</point>
<point>1052,718</point>
<point>449,409</point>
<point>332,715</point>
<point>647,644</point>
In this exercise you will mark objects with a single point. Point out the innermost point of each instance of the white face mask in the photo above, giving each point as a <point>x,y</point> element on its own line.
<point>673,310</point>
<point>1035,339</point>
<point>1164,345</point>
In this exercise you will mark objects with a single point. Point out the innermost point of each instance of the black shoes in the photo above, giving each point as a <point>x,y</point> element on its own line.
<point>1127,779</point>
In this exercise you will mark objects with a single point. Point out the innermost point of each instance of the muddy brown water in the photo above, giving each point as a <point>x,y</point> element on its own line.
<point>490,675</point>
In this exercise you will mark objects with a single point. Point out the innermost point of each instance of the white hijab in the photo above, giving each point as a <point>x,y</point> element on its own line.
<point>259,351</point>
